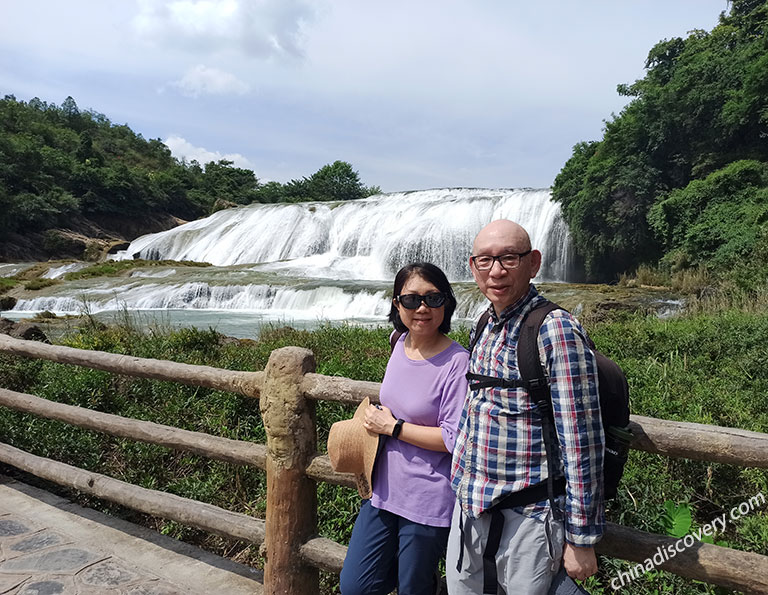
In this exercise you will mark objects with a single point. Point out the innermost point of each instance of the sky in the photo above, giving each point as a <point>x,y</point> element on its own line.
<point>414,94</point>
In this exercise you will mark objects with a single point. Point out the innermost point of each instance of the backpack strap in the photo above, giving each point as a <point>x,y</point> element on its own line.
<point>527,349</point>
<point>532,373</point>
<point>394,339</point>
<point>481,324</point>
<point>478,381</point>
<point>528,360</point>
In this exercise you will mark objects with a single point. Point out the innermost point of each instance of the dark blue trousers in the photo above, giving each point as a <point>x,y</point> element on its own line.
<point>388,551</point>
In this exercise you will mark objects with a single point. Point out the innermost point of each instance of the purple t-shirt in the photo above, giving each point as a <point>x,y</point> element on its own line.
<point>410,481</point>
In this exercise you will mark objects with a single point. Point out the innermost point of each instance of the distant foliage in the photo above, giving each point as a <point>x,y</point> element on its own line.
<point>718,221</point>
<point>58,163</point>
<point>690,150</point>
<point>337,181</point>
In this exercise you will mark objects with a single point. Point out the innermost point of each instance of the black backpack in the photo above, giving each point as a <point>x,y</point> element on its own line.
<point>612,383</point>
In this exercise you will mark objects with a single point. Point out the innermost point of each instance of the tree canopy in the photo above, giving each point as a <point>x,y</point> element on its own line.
<point>683,165</point>
<point>61,162</point>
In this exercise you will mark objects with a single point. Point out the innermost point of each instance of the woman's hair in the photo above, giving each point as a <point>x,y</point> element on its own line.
<point>436,277</point>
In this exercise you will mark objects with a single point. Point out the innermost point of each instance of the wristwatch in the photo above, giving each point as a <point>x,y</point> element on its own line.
<point>398,428</point>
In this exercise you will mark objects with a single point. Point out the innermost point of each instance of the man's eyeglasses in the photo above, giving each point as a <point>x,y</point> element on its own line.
<point>412,301</point>
<point>484,262</point>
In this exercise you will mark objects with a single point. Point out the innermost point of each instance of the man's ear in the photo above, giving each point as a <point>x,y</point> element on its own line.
<point>535,263</point>
<point>473,270</point>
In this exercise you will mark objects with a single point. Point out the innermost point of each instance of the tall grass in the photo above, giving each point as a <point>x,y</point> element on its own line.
<point>707,367</point>
<point>6,284</point>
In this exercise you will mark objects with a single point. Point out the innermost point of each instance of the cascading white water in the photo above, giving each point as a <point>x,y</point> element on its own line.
<point>365,239</point>
<point>318,303</point>
<point>56,272</point>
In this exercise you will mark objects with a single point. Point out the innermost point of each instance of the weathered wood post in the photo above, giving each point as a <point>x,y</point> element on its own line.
<point>289,421</point>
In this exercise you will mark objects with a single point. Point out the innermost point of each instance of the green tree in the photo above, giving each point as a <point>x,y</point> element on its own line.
<point>271,192</point>
<point>337,181</point>
<point>223,181</point>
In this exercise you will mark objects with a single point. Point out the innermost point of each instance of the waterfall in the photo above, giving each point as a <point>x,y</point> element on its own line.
<point>310,262</point>
<point>368,239</point>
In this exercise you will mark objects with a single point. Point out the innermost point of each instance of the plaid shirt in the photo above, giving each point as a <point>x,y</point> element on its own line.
<point>499,449</point>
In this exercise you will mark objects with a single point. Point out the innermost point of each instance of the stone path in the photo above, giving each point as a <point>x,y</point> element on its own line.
<point>50,546</point>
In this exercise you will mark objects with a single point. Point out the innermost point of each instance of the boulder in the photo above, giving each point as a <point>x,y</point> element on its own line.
<point>7,302</point>
<point>222,204</point>
<point>22,330</point>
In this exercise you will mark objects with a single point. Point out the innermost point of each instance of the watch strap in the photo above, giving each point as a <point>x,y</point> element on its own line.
<point>398,428</point>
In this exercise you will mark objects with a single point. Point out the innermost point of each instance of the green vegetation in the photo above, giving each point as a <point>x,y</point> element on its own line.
<point>7,283</point>
<point>681,174</point>
<point>36,284</point>
<point>706,367</point>
<point>337,181</point>
<point>58,163</point>
<point>114,268</point>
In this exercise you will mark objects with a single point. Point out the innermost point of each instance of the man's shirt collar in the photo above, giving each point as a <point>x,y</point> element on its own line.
<point>515,309</point>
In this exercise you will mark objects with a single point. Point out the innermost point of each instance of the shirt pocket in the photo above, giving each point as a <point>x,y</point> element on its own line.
<point>511,401</point>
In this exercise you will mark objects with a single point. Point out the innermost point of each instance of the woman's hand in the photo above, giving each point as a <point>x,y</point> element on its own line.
<point>379,419</point>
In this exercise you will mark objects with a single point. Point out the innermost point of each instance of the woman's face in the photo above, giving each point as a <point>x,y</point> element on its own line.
<point>424,321</point>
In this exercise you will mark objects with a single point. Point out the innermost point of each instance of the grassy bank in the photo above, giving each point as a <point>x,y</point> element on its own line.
<point>707,367</point>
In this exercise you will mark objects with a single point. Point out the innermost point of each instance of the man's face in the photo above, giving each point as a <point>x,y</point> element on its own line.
<point>504,287</point>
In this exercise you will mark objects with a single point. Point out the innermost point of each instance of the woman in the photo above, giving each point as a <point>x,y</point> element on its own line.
<point>401,532</point>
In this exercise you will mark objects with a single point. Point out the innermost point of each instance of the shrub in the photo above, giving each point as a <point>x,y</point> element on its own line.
<point>36,284</point>
<point>6,284</point>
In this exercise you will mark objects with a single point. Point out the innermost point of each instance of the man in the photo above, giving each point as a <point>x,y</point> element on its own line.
<point>500,450</point>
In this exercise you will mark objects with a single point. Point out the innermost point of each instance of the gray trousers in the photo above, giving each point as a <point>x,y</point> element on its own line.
<point>530,554</point>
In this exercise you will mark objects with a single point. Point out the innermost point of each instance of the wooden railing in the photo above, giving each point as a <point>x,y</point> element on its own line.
<point>288,389</point>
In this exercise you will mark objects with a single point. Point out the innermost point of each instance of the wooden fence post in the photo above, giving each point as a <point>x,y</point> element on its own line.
<point>289,421</point>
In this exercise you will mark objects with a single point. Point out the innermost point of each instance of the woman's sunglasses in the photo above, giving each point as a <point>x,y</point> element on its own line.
<point>412,301</point>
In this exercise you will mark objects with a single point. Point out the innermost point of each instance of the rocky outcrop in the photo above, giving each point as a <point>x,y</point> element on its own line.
<point>81,238</point>
<point>7,302</point>
<point>22,330</point>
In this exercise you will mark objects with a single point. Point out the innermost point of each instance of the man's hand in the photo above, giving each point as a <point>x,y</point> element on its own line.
<point>579,562</point>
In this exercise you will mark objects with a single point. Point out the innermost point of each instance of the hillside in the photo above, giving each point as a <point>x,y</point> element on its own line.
<point>680,177</point>
<point>73,184</point>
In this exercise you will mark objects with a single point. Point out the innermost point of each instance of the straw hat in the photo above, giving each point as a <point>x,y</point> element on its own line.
<point>353,449</point>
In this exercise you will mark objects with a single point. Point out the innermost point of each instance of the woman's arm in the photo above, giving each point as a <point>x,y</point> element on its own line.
<point>379,419</point>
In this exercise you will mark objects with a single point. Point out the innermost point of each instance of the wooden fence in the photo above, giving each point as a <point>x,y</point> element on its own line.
<point>288,389</point>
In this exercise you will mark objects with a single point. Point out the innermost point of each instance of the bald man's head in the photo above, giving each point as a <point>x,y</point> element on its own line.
<point>504,286</point>
<point>506,231</point>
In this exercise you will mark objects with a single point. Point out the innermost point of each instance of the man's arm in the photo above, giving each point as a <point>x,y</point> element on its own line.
<point>572,370</point>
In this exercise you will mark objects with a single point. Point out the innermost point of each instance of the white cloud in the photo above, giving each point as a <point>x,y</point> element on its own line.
<point>202,80</point>
<point>183,149</point>
<point>262,29</point>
